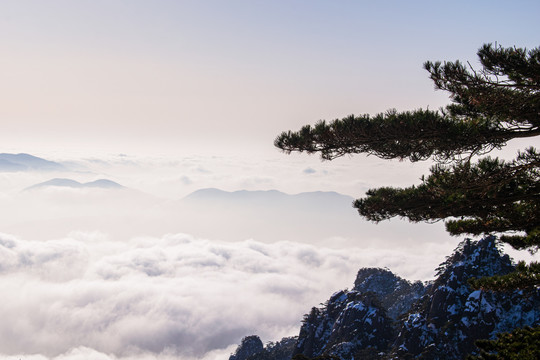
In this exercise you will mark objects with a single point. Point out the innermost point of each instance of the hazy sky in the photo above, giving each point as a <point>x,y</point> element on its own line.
<point>167,97</point>
<point>173,77</point>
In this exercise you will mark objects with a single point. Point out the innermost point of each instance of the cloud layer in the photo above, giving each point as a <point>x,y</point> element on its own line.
<point>90,275</point>
<point>90,296</point>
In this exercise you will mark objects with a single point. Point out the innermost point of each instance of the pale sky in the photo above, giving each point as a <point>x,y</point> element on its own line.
<point>168,97</point>
<point>172,77</point>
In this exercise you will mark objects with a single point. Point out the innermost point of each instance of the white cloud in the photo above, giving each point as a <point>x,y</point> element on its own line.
<point>186,180</point>
<point>105,292</point>
<point>88,295</point>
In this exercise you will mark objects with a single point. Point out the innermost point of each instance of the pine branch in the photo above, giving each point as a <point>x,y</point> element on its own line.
<point>526,277</point>
<point>416,135</point>
<point>520,344</point>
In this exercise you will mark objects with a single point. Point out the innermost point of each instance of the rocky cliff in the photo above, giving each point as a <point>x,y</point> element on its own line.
<point>445,323</point>
<point>252,348</point>
<point>387,317</point>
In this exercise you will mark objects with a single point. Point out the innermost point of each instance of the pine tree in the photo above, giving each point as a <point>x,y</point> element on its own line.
<point>490,106</point>
<point>520,344</point>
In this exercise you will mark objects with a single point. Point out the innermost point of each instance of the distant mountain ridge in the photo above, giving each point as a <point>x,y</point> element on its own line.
<point>273,201</point>
<point>386,317</point>
<point>27,162</point>
<point>247,213</point>
<point>308,216</point>
<point>211,194</point>
<point>69,183</point>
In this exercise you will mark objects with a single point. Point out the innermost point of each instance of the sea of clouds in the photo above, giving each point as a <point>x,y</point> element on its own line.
<point>89,296</point>
<point>113,274</point>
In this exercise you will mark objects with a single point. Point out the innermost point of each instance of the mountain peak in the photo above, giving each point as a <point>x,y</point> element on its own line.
<point>385,316</point>
<point>25,162</point>
<point>70,183</point>
<point>396,294</point>
<point>475,259</point>
<point>251,345</point>
<point>452,315</point>
<point>103,184</point>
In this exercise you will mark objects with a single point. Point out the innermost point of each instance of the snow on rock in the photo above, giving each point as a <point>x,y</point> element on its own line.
<point>385,316</point>
<point>460,315</point>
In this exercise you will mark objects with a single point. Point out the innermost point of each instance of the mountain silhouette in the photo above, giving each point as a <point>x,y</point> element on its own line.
<point>69,183</point>
<point>27,162</point>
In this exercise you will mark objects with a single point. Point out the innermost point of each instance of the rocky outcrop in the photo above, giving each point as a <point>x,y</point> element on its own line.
<point>387,317</point>
<point>252,348</point>
<point>251,345</point>
<point>349,321</point>
<point>395,294</point>
<point>447,321</point>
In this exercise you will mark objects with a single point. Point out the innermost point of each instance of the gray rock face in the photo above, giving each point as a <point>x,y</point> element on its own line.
<point>447,321</point>
<point>281,350</point>
<point>251,345</point>
<point>395,294</point>
<point>350,321</point>
<point>252,349</point>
